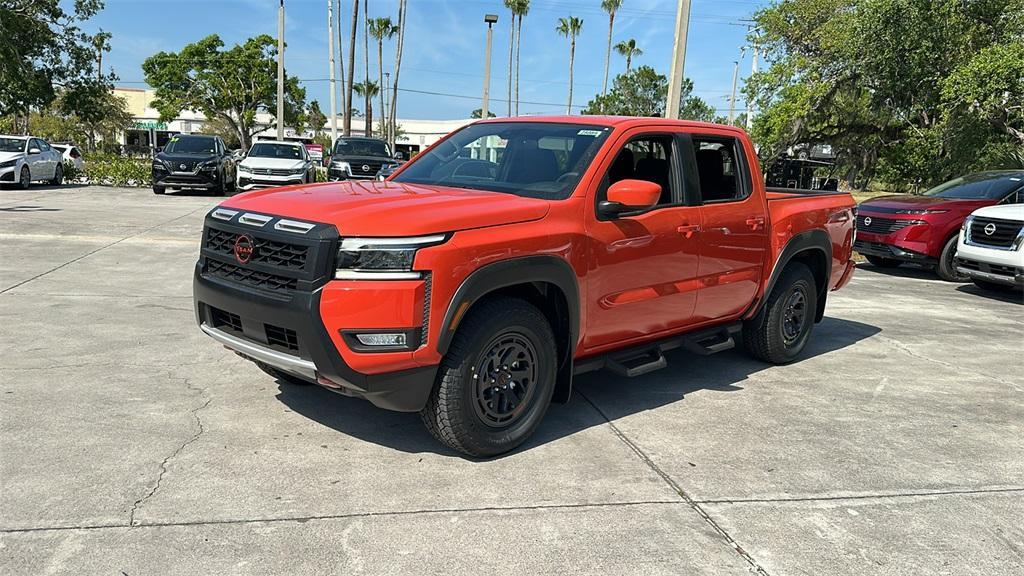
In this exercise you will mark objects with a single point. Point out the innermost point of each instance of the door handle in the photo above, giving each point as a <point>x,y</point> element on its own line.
<point>755,222</point>
<point>688,230</point>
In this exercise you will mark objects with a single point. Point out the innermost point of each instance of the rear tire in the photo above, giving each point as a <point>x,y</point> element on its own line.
<point>58,176</point>
<point>780,331</point>
<point>881,262</point>
<point>496,381</point>
<point>946,268</point>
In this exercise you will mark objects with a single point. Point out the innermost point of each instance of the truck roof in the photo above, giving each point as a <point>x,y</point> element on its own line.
<point>617,121</point>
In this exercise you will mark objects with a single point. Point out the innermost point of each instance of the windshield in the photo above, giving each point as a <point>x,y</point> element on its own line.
<point>190,145</point>
<point>347,147</point>
<point>285,151</point>
<point>978,187</point>
<point>11,144</point>
<point>534,159</point>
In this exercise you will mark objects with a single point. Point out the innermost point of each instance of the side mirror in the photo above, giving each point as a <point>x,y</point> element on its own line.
<point>34,150</point>
<point>399,156</point>
<point>630,196</point>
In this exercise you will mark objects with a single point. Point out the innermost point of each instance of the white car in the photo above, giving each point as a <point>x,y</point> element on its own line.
<point>275,163</point>
<point>70,154</point>
<point>991,246</point>
<point>25,159</point>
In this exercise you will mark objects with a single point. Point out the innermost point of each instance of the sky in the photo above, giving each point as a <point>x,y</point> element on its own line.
<point>443,61</point>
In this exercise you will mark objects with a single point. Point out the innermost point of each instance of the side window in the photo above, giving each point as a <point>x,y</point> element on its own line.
<point>645,158</point>
<point>719,169</point>
<point>34,143</point>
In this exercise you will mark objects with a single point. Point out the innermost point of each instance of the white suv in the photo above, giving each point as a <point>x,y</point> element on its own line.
<point>991,246</point>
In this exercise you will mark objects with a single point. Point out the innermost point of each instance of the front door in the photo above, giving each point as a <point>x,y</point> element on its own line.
<point>642,276</point>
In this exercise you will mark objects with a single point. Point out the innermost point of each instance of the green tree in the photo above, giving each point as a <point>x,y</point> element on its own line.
<point>913,91</point>
<point>611,7</point>
<point>479,111</point>
<point>570,28</point>
<point>316,118</point>
<point>367,90</point>
<point>628,50</point>
<point>44,51</point>
<point>382,29</point>
<point>232,84</point>
<point>642,92</point>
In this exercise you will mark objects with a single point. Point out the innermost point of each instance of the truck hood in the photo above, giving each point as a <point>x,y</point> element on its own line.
<point>391,209</point>
<point>273,163</point>
<point>1003,212</point>
<point>911,202</point>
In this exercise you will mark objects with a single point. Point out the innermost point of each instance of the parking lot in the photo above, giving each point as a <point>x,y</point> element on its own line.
<point>132,444</point>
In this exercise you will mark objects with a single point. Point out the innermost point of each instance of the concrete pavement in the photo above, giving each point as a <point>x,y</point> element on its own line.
<point>130,443</point>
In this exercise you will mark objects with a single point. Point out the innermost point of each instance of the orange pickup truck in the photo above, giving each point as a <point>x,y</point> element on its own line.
<point>474,283</point>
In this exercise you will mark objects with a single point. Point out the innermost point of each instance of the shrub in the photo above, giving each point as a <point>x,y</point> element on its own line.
<point>110,170</point>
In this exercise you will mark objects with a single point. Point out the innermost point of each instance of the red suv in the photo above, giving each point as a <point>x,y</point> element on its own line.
<point>892,230</point>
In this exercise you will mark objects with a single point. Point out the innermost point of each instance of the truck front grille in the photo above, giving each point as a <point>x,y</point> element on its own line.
<point>283,254</point>
<point>994,232</point>
<point>282,337</point>
<point>249,276</point>
<point>878,225</point>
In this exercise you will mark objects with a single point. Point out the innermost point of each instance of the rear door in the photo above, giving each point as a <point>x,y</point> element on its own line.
<point>734,225</point>
<point>642,276</point>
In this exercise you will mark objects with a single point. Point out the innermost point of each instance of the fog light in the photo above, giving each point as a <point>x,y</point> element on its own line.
<point>396,339</point>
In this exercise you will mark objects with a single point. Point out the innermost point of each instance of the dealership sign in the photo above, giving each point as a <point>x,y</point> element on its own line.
<point>151,126</point>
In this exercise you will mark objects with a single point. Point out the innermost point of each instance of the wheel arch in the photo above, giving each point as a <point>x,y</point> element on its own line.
<point>813,248</point>
<point>547,282</point>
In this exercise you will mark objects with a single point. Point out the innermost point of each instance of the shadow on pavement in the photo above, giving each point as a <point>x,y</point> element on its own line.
<point>1003,295</point>
<point>907,270</point>
<point>686,373</point>
<point>28,209</point>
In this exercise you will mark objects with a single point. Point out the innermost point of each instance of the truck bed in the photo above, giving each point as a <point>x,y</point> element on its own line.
<point>775,193</point>
<point>792,212</point>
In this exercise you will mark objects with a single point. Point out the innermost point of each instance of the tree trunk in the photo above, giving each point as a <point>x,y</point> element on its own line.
<point>369,116</point>
<point>380,73</point>
<point>572,56</point>
<point>519,35</point>
<point>511,47</point>
<point>347,124</point>
<point>368,100</point>
<point>629,60</point>
<point>398,66</point>
<point>608,54</point>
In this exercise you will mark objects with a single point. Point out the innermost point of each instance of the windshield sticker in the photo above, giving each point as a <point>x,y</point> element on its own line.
<point>588,133</point>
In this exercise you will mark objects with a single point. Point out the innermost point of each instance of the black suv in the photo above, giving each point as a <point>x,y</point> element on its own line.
<point>194,161</point>
<point>359,158</point>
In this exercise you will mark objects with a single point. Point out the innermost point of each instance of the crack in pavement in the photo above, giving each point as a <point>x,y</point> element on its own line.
<point>690,501</point>
<point>200,429</point>
<point>104,247</point>
<point>948,365</point>
<point>891,495</point>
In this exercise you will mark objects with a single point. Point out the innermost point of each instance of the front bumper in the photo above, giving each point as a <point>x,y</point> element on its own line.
<point>866,245</point>
<point>201,180</point>
<point>977,270</point>
<point>10,174</point>
<point>254,181</point>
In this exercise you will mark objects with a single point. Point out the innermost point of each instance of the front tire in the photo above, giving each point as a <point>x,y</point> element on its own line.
<point>159,190</point>
<point>947,263</point>
<point>881,262</point>
<point>779,333</point>
<point>496,381</point>
<point>25,178</point>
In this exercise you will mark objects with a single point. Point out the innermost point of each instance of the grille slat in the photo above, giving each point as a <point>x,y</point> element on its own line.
<point>1004,232</point>
<point>250,276</point>
<point>284,337</point>
<point>881,225</point>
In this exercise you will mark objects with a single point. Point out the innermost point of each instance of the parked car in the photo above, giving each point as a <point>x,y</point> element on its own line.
<point>194,162</point>
<point>991,247</point>
<point>70,154</point>
<point>892,230</point>
<point>275,163</point>
<point>387,170</point>
<point>355,158</point>
<point>471,289</point>
<point>26,159</point>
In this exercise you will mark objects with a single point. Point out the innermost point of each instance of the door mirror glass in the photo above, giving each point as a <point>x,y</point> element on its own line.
<point>34,150</point>
<point>631,196</point>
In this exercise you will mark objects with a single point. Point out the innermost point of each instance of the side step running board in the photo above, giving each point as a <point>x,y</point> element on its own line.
<point>638,365</point>
<point>646,358</point>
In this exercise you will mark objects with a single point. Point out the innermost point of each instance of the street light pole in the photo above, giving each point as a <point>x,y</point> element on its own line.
<point>280,71</point>
<point>735,78</point>
<point>334,90</point>
<point>675,80</point>
<point>490,19</point>
<point>750,102</point>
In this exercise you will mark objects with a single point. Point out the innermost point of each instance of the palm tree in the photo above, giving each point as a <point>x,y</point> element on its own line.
<point>367,97</point>
<point>522,7</point>
<point>367,89</point>
<point>381,29</point>
<point>609,6</point>
<point>570,28</point>
<point>398,67</point>
<point>347,123</point>
<point>628,49</point>
<point>511,5</point>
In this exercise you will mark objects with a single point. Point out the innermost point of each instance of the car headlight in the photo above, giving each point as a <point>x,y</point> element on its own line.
<point>967,223</point>
<point>921,211</point>
<point>343,166</point>
<point>159,165</point>
<point>208,166</point>
<point>299,170</point>
<point>245,169</point>
<point>381,258</point>
<point>9,163</point>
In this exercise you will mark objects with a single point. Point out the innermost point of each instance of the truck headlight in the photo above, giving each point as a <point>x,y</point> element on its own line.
<point>208,166</point>
<point>343,166</point>
<point>244,169</point>
<point>159,165</point>
<point>381,258</point>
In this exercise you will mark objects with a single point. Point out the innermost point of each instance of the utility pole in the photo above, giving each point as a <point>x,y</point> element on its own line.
<point>735,78</point>
<point>675,80</point>
<point>280,71</point>
<point>490,19</point>
<point>334,90</point>
<point>750,103</point>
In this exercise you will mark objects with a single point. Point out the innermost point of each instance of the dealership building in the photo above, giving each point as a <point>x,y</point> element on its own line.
<point>150,132</point>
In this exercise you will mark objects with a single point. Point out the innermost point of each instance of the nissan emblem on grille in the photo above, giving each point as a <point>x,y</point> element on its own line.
<point>183,166</point>
<point>366,167</point>
<point>867,220</point>
<point>990,229</point>
<point>244,248</point>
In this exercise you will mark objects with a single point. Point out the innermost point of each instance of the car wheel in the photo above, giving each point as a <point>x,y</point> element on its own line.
<point>58,176</point>
<point>883,262</point>
<point>947,263</point>
<point>495,383</point>
<point>25,179</point>
<point>782,328</point>
<point>224,190</point>
<point>159,190</point>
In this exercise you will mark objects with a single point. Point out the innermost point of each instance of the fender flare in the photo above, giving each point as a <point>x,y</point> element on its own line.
<point>505,273</point>
<point>809,240</point>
